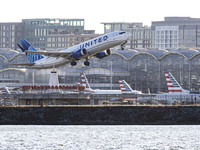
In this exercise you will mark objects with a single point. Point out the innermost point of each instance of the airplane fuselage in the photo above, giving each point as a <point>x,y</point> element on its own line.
<point>103,91</point>
<point>179,97</point>
<point>92,46</point>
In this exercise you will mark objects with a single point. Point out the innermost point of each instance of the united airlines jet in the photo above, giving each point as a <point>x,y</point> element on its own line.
<point>98,47</point>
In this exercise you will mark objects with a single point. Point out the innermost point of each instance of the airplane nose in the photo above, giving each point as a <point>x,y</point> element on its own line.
<point>128,35</point>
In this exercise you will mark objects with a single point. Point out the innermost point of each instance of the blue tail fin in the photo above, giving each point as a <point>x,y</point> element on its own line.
<point>27,46</point>
<point>33,57</point>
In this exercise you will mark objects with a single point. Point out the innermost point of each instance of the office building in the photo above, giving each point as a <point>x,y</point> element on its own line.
<point>176,32</point>
<point>141,36</point>
<point>36,30</point>
<point>10,34</point>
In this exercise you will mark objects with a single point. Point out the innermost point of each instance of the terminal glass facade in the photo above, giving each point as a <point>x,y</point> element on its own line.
<point>142,69</point>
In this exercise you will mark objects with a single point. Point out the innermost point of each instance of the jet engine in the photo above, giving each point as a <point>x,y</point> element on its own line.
<point>103,54</point>
<point>79,53</point>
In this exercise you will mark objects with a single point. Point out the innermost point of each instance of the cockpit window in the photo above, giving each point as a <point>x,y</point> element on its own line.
<point>122,32</point>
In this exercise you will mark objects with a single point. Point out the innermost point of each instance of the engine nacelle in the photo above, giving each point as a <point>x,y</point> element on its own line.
<point>103,54</point>
<point>79,53</point>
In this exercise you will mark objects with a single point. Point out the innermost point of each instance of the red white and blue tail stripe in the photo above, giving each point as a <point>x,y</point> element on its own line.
<point>125,88</point>
<point>85,83</point>
<point>173,85</point>
<point>4,91</point>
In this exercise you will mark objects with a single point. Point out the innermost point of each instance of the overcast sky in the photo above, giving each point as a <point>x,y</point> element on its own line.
<point>96,11</point>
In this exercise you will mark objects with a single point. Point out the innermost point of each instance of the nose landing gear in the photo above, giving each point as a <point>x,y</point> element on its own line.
<point>123,45</point>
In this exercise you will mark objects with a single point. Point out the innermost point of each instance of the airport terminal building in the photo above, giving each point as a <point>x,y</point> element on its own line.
<point>141,66</point>
<point>143,69</point>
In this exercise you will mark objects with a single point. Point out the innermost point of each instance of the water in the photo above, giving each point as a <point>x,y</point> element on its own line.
<point>100,137</point>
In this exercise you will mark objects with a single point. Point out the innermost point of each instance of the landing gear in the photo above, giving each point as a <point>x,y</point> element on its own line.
<point>86,63</point>
<point>73,63</point>
<point>123,45</point>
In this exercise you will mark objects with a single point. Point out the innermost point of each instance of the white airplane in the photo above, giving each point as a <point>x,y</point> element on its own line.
<point>4,94</point>
<point>125,88</point>
<point>98,47</point>
<point>176,92</point>
<point>173,86</point>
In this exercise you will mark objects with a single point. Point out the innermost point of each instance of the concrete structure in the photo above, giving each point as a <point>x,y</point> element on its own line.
<point>44,33</point>
<point>53,80</point>
<point>10,34</point>
<point>175,32</point>
<point>101,115</point>
<point>141,36</point>
<point>36,30</point>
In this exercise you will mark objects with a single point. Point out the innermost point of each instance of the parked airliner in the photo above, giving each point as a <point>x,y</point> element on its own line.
<point>177,93</point>
<point>125,88</point>
<point>4,94</point>
<point>98,47</point>
<point>4,90</point>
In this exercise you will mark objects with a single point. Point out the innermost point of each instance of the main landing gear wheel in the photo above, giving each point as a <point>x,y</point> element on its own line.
<point>73,63</point>
<point>86,63</point>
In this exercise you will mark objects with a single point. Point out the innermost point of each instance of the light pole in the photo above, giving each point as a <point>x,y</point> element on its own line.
<point>33,75</point>
<point>111,74</point>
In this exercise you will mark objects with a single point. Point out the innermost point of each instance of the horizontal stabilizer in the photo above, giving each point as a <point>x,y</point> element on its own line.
<point>29,64</point>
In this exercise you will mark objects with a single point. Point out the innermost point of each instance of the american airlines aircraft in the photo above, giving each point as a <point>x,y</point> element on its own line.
<point>4,90</point>
<point>98,47</point>
<point>176,92</point>
<point>125,88</point>
<point>4,94</point>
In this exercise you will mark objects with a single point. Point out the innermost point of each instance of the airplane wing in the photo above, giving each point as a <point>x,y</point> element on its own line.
<point>29,64</point>
<point>51,54</point>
